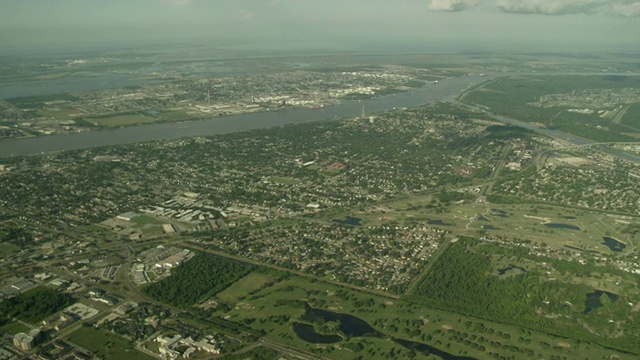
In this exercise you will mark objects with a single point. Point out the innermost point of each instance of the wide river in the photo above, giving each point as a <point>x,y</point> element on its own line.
<point>445,90</point>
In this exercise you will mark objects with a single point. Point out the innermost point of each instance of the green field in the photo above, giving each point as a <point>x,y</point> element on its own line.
<point>7,248</point>
<point>58,114</point>
<point>146,220</point>
<point>275,308</point>
<point>32,101</point>
<point>248,284</point>
<point>122,120</point>
<point>632,116</point>
<point>176,115</point>
<point>14,328</point>
<point>259,353</point>
<point>105,345</point>
<point>283,180</point>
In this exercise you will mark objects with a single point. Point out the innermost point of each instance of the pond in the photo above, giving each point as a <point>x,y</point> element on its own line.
<point>593,300</point>
<point>562,226</point>
<point>613,244</point>
<point>429,350</point>
<point>307,333</point>
<point>489,227</point>
<point>569,217</point>
<point>437,222</point>
<point>498,212</point>
<point>354,326</point>
<point>349,221</point>
<point>482,218</point>
<point>505,270</point>
<point>349,325</point>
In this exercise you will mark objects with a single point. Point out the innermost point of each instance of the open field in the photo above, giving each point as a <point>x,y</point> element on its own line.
<point>143,220</point>
<point>6,248</point>
<point>105,345</point>
<point>122,120</point>
<point>274,310</point>
<point>632,116</point>
<point>526,220</point>
<point>59,113</point>
<point>176,115</point>
<point>248,284</point>
<point>14,328</point>
<point>283,180</point>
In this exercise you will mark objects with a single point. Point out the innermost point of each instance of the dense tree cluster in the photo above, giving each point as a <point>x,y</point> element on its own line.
<point>197,279</point>
<point>35,305</point>
<point>520,98</point>
<point>463,280</point>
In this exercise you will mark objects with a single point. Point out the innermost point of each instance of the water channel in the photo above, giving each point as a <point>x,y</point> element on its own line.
<point>447,89</point>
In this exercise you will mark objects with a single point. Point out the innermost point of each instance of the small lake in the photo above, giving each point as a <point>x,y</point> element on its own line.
<point>354,221</point>
<point>498,212</point>
<point>437,222</point>
<point>307,333</point>
<point>613,244</point>
<point>562,226</point>
<point>593,300</point>
<point>349,325</point>
<point>511,268</point>
<point>489,227</point>
<point>354,326</point>
<point>429,350</point>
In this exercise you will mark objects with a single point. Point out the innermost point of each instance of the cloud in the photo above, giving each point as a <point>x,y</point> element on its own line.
<point>549,7</point>
<point>247,15</point>
<point>451,5</point>
<point>178,2</point>
<point>627,8</point>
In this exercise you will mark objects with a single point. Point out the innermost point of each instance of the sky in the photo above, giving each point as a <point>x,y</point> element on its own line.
<point>511,25</point>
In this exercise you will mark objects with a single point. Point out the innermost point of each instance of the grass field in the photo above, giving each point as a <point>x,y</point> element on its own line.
<point>14,328</point>
<point>250,283</point>
<point>283,180</point>
<point>525,220</point>
<point>176,115</point>
<point>6,248</point>
<point>105,345</point>
<point>632,116</point>
<point>122,120</point>
<point>146,220</point>
<point>58,114</point>
<point>274,309</point>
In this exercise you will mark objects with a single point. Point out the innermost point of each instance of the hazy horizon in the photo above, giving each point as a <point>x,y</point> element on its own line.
<point>411,25</point>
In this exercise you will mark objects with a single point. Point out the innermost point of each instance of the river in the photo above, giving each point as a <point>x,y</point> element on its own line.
<point>447,89</point>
